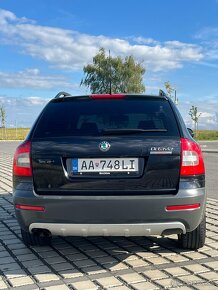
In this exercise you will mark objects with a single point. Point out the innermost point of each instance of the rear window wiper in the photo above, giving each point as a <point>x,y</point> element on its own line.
<point>129,131</point>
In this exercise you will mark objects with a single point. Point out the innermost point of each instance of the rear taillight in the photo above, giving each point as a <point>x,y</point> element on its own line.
<point>192,162</point>
<point>22,164</point>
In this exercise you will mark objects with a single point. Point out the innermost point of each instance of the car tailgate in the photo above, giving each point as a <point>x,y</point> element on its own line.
<point>158,165</point>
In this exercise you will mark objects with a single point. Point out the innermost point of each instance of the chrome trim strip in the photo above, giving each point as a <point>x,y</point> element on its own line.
<point>127,230</point>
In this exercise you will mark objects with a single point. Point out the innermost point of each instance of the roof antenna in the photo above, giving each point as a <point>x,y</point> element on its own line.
<point>110,72</point>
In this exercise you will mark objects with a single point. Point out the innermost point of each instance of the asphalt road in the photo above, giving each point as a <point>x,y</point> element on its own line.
<point>209,145</point>
<point>8,146</point>
<point>211,164</point>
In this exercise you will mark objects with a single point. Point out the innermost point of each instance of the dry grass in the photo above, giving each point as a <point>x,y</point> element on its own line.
<point>13,133</point>
<point>20,134</point>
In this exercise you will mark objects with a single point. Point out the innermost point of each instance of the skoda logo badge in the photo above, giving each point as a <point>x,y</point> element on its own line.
<point>104,146</point>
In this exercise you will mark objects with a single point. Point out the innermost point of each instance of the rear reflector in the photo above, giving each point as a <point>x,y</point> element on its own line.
<point>183,207</point>
<point>30,207</point>
<point>21,163</point>
<point>192,162</point>
<point>108,96</point>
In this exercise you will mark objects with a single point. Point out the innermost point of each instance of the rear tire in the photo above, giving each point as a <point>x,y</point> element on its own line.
<point>195,239</point>
<point>35,239</point>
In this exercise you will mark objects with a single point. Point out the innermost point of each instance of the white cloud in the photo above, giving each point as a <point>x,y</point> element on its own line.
<point>206,115</point>
<point>71,50</point>
<point>143,40</point>
<point>22,111</point>
<point>211,121</point>
<point>207,33</point>
<point>208,36</point>
<point>32,78</point>
<point>208,107</point>
<point>23,102</point>
<point>36,101</point>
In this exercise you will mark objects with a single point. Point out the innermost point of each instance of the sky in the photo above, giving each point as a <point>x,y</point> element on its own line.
<point>45,44</point>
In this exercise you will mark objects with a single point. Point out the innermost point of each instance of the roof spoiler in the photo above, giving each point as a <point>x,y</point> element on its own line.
<point>61,95</point>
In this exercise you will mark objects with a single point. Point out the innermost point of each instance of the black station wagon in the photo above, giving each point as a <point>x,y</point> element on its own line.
<point>110,165</point>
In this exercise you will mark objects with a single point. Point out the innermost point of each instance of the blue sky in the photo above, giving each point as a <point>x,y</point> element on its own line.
<point>44,45</point>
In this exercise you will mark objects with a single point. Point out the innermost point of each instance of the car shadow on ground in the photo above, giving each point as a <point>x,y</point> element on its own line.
<point>96,255</point>
<point>74,257</point>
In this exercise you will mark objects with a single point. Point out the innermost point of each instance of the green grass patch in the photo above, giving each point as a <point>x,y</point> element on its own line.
<point>13,133</point>
<point>207,135</point>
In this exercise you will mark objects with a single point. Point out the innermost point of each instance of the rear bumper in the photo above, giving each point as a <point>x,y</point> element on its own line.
<point>126,230</point>
<point>111,215</point>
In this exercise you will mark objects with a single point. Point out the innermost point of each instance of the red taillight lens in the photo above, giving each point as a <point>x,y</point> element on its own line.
<point>192,162</point>
<point>107,96</point>
<point>30,207</point>
<point>183,207</point>
<point>22,164</point>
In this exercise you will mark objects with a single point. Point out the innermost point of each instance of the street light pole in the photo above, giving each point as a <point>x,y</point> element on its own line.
<point>176,101</point>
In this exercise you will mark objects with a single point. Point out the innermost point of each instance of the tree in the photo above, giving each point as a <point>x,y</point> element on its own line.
<point>193,112</point>
<point>113,75</point>
<point>170,89</point>
<point>2,116</point>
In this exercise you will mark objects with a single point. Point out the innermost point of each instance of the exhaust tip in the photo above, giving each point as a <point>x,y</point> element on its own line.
<point>41,232</point>
<point>169,232</point>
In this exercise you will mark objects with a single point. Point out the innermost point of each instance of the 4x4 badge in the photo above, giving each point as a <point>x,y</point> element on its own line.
<point>104,146</point>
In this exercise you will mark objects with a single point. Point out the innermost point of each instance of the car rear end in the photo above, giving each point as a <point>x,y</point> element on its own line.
<point>121,165</point>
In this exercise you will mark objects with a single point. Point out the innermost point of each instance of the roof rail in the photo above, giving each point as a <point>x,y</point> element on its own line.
<point>163,94</point>
<point>62,95</point>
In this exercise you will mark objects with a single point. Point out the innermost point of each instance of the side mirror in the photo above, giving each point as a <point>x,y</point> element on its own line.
<point>191,132</point>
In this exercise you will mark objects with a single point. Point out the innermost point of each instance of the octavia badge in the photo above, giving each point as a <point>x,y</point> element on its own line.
<point>104,146</point>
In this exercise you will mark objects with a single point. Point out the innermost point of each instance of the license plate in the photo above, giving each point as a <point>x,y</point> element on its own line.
<point>95,165</point>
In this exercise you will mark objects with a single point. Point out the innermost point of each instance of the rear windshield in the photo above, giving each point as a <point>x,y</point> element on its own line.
<point>88,117</point>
